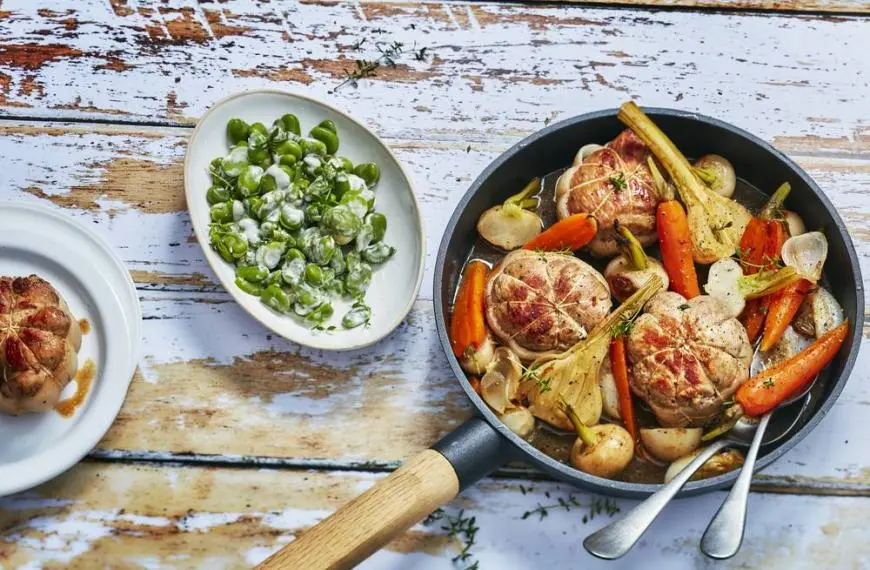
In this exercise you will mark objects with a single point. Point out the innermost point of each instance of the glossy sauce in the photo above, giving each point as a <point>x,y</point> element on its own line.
<point>558,444</point>
<point>85,326</point>
<point>84,378</point>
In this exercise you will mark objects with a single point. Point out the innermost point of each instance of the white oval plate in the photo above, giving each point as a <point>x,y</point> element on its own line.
<point>97,287</point>
<point>394,285</point>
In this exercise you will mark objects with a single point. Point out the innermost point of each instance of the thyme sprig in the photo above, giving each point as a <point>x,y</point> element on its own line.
<point>594,508</point>
<point>618,182</point>
<point>462,529</point>
<point>625,324</point>
<point>369,67</point>
<point>532,372</point>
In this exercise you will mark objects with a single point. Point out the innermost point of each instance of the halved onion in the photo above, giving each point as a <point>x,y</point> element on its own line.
<point>806,254</point>
<point>819,313</point>
<point>499,385</point>
<point>519,420</point>
<point>509,227</point>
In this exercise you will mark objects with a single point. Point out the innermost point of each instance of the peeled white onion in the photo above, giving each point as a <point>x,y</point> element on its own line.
<point>806,254</point>
<point>795,223</point>
<point>499,385</point>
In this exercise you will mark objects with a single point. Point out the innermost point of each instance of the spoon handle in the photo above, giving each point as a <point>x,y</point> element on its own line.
<point>724,534</point>
<point>617,538</point>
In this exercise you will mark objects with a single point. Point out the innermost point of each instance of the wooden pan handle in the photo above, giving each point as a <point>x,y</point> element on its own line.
<point>358,529</point>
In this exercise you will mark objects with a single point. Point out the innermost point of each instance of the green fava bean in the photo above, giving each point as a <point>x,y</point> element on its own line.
<point>291,218</point>
<point>329,125</point>
<point>341,223</point>
<point>287,160</point>
<point>248,287</point>
<point>337,263</point>
<point>360,314</point>
<point>313,146</point>
<point>342,185</point>
<point>320,314</point>
<point>290,122</point>
<point>378,223</point>
<point>378,252</point>
<point>221,212</point>
<point>252,273</point>
<point>267,184</point>
<point>217,194</point>
<point>357,278</point>
<point>275,298</point>
<point>234,163</point>
<point>294,253</point>
<point>346,163</point>
<point>327,137</point>
<point>368,171</point>
<point>322,250</point>
<point>314,275</point>
<point>249,181</point>
<point>260,157</point>
<point>238,130</point>
<point>289,147</point>
<point>255,207</point>
<point>259,128</point>
<point>314,213</point>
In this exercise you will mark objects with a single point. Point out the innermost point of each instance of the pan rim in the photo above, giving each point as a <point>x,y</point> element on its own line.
<point>622,488</point>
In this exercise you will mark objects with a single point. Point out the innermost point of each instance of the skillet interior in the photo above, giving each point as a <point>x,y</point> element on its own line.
<point>756,163</point>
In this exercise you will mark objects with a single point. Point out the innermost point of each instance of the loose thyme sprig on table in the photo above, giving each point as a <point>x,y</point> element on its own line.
<point>461,529</point>
<point>368,68</point>
<point>595,507</point>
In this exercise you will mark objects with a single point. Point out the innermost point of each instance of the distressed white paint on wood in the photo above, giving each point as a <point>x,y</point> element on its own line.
<point>126,183</point>
<point>494,71</point>
<point>180,518</point>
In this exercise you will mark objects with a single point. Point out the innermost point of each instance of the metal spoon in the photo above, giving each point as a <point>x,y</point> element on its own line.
<point>617,538</point>
<point>724,534</point>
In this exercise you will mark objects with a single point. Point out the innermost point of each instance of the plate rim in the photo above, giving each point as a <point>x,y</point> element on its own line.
<point>95,431</point>
<point>329,340</point>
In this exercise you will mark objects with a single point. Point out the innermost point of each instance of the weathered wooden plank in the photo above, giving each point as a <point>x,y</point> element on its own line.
<point>126,517</point>
<point>126,183</point>
<point>491,70</point>
<point>824,6</point>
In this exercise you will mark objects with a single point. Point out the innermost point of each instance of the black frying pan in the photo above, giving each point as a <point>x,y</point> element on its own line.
<point>483,443</point>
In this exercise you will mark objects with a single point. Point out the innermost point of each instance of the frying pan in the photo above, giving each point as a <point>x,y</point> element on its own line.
<point>483,443</point>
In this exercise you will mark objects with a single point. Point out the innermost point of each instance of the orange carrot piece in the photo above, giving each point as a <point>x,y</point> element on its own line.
<point>570,233</point>
<point>752,246</point>
<point>467,325</point>
<point>764,392</point>
<point>620,376</point>
<point>756,310</point>
<point>676,246</point>
<point>782,309</point>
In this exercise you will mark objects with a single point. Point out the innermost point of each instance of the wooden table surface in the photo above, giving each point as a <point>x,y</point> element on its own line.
<point>232,440</point>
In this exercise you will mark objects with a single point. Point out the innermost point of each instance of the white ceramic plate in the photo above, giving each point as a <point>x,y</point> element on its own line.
<point>394,285</point>
<point>97,287</point>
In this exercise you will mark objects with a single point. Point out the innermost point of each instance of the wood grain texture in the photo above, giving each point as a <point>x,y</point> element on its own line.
<point>366,524</point>
<point>493,71</point>
<point>131,517</point>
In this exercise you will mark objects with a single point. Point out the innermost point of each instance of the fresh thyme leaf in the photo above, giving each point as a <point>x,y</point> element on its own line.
<point>420,54</point>
<point>468,148</point>
<point>435,515</point>
<point>215,174</point>
<point>596,507</point>
<point>543,383</point>
<point>368,68</point>
<point>358,44</point>
<point>719,228</point>
<point>728,403</point>
<point>625,324</point>
<point>547,121</point>
<point>769,383</point>
<point>618,182</point>
<point>683,307</point>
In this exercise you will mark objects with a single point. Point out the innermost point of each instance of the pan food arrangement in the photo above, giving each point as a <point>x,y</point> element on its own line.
<point>615,334</point>
<point>620,295</point>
